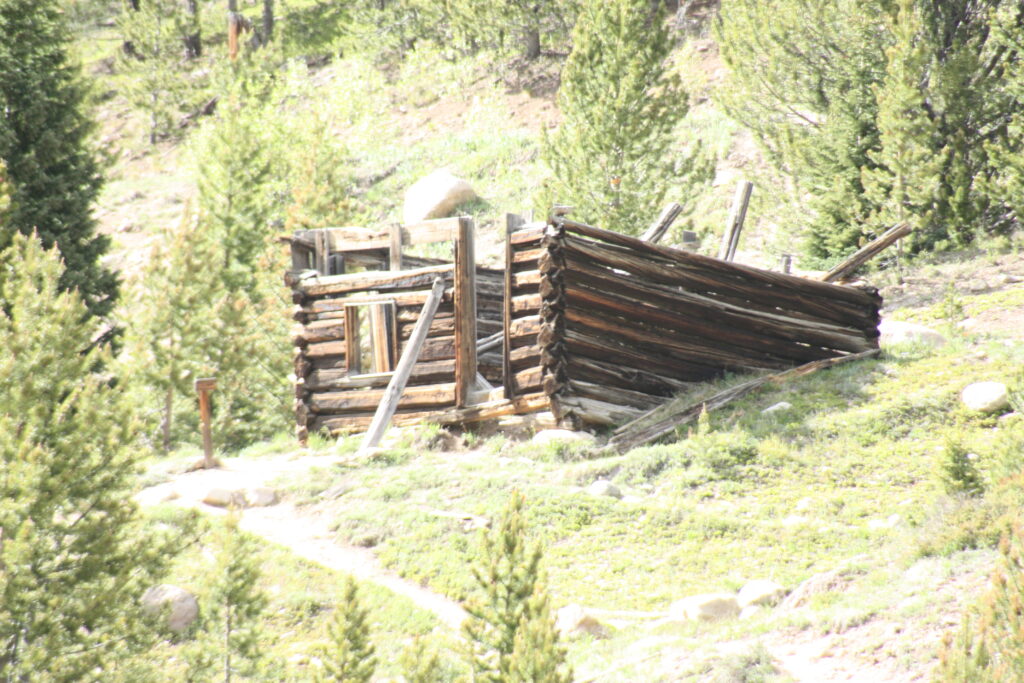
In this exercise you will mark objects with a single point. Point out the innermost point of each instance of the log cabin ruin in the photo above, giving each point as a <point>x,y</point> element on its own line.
<point>583,327</point>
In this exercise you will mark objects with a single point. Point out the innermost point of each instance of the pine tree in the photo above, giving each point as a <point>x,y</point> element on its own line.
<point>171,334</point>
<point>162,35</point>
<point>814,100</point>
<point>74,561</point>
<point>513,606</point>
<point>510,24</point>
<point>614,158</point>
<point>420,664</point>
<point>349,659</point>
<point>989,647</point>
<point>236,603</point>
<point>45,137</point>
<point>959,475</point>
<point>905,183</point>
<point>1007,184</point>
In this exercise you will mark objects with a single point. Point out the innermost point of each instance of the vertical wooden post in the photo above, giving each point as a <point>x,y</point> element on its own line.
<point>321,255</point>
<point>465,311</point>
<point>512,223</point>
<point>786,263</point>
<point>395,250</point>
<point>204,386</point>
<point>738,213</point>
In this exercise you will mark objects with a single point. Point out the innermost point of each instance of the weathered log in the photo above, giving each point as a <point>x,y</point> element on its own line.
<point>662,223</point>
<point>734,226</point>
<point>434,372</point>
<point>724,272</point>
<point>351,282</point>
<point>396,393</point>
<point>870,250</point>
<point>666,418</point>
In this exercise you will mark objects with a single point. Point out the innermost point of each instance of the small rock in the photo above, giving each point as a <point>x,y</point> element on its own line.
<point>760,592</point>
<point>572,621</point>
<point>794,520</point>
<point>546,436</point>
<point>1010,278</point>
<point>706,607</point>
<point>892,520</point>
<point>435,196</point>
<point>896,333</point>
<point>968,324</point>
<point>223,498</point>
<point>182,608</point>
<point>261,497</point>
<point>337,491</point>
<point>778,407</point>
<point>803,505</point>
<point>986,397</point>
<point>603,487</point>
<point>976,286</point>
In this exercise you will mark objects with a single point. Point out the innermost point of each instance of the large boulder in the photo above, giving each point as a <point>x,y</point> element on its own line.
<point>898,333</point>
<point>706,607</point>
<point>603,487</point>
<point>986,397</point>
<point>180,605</point>
<point>225,498</point>
<point>572,621</point>
<point>435,196</point>
<point>261,496</point>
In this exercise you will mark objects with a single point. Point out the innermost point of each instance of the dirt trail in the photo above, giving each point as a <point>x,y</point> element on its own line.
<point>307,536</point>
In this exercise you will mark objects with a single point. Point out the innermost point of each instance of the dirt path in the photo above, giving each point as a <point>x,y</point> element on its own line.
<point>307,536</point>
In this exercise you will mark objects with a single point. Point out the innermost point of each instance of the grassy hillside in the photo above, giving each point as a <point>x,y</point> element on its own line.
<point>845,484</point>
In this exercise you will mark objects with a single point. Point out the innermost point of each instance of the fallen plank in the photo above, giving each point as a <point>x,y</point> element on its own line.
<point>867,252</point>
<point>666,418</point>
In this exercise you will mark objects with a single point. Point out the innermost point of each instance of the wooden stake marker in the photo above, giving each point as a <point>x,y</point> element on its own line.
<point>204,386</point>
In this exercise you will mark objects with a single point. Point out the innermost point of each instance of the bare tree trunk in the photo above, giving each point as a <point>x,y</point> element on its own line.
<point>268,21</point>
<point>532,45</point>
<point>193,41</point>
<point>127,46</point>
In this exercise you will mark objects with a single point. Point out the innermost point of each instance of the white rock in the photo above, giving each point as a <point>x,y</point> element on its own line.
<point>182,608</point>
<point>603,487</point>
<point>778,407</point>
<point>706,607</point>
<point>546,436</point>
<point>896,333</point>
<point>986,397</point>
<point>435,196</point>
<point>572,621</point>
<point>261,497</point>
<point>223,498</point>
<point>760,592</point>
<point>803,505</point>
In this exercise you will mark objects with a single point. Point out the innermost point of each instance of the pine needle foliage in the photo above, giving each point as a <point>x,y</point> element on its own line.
<point>509,630</point>
<point>232,624</point>
<point>74,560</point>
<point>990,645</point>
<point>350,656</point>
<point>959,474</point>
<point>53,173</point>
<point>421,664</point>
<point>510,26</point>
<point>614,157</point>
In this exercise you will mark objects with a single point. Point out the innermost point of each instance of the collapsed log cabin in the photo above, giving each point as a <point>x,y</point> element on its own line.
<point>596,327</point>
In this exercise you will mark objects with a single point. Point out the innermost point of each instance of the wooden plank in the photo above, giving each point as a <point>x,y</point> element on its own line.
<point>527,303</point>
<point>592,411</point>
<point>435,230</point>
<point>351,282</point>
<point>388,403</point>
<point>526,278</point>
<point>526,235</point>
<point>734,225</point>
<point>512,223</point>
<point>435,372</point>
<point>382,327</point>
<point>322,252</point>
<point>324,349</point>
<point>735,289</point>
<point>666,418</point>
<point>725,271</point>
<point>465,311</point>
<point>353,348</point>
<point>395,247</point>
<point>356,400</point>
<point>610,373</point>
<point>524,357</point>
<point>662,223</point>
<point>870,250</point>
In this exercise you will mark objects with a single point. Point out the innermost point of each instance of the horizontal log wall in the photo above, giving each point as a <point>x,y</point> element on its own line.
<point>615,325</point>
<point>328,398</point>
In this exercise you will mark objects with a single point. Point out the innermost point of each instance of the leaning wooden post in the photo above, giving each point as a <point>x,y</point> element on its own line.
<point>662,223</point>
<point>465,312</point>
<point>204,386</point>
<point>867,252</point>
<point>738,214</point>
<point>389,403</point>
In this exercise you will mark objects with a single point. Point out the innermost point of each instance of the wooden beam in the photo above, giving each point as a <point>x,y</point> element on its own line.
<point>512,224</point>
<point>731,236</point>
<point>665,419</point>
<point>662,223</point>
<point>867,252</point>
<point>395,248</point>
<point>352,282</point>
<point>465,312</point>
<point>389,403</point>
